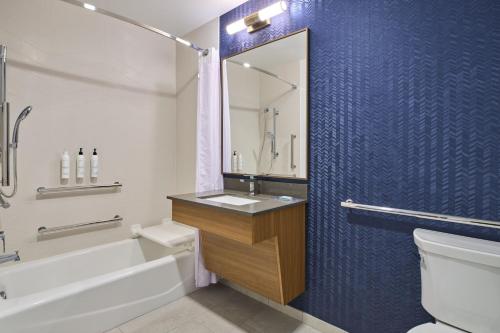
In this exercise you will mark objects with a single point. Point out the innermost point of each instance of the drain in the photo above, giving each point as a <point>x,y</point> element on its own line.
<point>3,294</point>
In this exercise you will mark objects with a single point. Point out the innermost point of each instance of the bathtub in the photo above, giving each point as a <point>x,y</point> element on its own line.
<point>93,290</point>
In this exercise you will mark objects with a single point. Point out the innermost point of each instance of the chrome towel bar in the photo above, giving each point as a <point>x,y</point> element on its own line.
<point>44,230</point>
<point>64,189</point>
<point>422,215</point>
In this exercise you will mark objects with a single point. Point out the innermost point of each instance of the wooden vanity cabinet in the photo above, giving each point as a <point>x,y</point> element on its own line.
<point>264,252</point>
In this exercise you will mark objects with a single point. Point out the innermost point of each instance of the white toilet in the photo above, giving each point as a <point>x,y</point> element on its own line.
<point>460,283</point>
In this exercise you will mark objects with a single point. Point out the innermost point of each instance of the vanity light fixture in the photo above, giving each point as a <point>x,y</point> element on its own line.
<point>257,20</point>
<point>89,6</point>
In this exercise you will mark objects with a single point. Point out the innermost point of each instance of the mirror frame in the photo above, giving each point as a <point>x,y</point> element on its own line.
<point>308,151</point>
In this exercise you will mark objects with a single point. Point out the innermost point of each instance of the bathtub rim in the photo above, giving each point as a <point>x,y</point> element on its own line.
<point>12,306</point>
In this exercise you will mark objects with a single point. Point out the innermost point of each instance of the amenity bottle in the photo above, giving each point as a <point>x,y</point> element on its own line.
<point>65,164</point>
<point>234,162</point>
<point>94,164</point>
<point>80,165</point>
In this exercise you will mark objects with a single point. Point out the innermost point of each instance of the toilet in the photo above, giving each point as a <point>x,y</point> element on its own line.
<point>460,283</point>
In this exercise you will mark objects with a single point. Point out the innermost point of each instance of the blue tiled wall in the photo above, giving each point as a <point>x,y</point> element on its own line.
<point>404,112</point>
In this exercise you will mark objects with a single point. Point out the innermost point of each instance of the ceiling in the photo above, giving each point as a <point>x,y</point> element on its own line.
<point>173,16</point>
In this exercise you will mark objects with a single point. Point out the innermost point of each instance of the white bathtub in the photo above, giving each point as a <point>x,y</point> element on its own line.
<point>92,290</point>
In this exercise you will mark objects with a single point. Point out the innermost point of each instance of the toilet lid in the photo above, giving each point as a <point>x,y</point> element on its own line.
<point>434,328</point>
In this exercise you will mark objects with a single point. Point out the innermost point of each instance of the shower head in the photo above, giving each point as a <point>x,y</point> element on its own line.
<point>21,117</point>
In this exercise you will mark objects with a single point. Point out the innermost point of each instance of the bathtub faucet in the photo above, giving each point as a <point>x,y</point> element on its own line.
<point>10,257</point>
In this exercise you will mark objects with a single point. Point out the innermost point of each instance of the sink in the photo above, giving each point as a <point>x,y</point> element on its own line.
<point>232,200</point>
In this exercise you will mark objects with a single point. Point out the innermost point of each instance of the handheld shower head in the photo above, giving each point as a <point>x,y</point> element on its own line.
<point>21,117</point>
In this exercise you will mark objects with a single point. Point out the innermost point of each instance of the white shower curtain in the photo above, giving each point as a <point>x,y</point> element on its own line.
<point>208,145</point>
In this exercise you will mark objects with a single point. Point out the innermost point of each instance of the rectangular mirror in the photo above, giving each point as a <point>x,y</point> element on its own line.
<point>265,109</point>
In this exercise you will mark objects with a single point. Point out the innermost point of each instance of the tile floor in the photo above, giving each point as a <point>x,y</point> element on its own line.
<point>215,309</point>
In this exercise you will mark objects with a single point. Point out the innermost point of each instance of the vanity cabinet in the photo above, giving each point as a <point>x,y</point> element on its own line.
<point>263,252</point>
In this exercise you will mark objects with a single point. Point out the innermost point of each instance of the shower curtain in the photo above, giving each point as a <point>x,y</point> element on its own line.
<point>208,145</point>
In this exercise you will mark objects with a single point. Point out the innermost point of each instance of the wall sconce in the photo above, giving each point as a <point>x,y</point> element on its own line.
<point>257,20</point>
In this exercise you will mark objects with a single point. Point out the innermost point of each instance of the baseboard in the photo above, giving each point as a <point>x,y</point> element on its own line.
<point>306,318</point>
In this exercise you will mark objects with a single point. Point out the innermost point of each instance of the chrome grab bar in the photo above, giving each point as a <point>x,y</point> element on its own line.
<point>45,190</point>
<point>292,141</point>
<point>44,230</point>
<point>422,215</point>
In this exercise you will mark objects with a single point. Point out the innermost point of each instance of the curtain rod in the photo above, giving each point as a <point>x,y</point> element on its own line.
<point>93,8</point>
<point>293,85</point>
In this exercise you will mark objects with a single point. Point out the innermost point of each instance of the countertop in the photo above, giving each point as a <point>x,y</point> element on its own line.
<point>266,203</point>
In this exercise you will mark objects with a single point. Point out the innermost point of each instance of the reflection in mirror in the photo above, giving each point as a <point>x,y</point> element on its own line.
<point>265,101</point>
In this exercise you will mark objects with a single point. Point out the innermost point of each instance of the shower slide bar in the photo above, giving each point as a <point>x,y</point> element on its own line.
<point>44,231</point>
<point>44,190</point>
<point>422,215</point>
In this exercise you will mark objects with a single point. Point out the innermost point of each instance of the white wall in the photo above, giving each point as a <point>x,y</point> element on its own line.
<point>244,96</point>
<point>93,82</point>
<point>292,119</point>
<point>187,92</point>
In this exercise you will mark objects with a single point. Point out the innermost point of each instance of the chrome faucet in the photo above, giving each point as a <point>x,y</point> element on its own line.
<point>9,256</point>
<point>251,181</point>
<point>2,238</point>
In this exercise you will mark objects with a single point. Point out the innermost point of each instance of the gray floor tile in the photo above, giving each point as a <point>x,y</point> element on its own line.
<point>115,330</point>
<point>166,318</point>
<point>192,327</point>
<point>219,324</point>
<point>273,321</point>
<point>215,309</point>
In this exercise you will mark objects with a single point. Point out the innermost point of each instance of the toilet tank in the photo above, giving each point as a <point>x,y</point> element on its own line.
<point>460,280</point>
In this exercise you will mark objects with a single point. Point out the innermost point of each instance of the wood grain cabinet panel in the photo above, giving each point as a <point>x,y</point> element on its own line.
<point>264,252</point>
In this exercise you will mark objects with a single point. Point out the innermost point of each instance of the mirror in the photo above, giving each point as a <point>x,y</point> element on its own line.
<point>265,109</point>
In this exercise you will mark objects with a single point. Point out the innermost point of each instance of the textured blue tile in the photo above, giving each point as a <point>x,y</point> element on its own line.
<point>404,112</point>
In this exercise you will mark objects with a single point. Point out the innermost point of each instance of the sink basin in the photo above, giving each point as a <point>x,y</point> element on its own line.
<point>232,200</point>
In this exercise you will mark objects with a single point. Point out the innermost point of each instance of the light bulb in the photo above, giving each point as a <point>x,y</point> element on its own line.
<point>235,27</point>
<point>89,6</point>
<point>273,10</point>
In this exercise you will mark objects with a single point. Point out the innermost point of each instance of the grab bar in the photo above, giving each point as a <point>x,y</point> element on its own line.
<point>422,215</point>
<point>45,231</point>
<point>292,140</point>
<point>45,190</point>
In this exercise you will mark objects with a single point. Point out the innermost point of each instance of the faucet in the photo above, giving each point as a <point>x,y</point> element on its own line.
<point>251,181</point>
<point>9,256</point>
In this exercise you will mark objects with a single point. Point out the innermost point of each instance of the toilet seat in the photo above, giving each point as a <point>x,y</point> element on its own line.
<point>435,328</point>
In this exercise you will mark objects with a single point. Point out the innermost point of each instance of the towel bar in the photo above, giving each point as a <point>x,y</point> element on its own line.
<point>422,215</point>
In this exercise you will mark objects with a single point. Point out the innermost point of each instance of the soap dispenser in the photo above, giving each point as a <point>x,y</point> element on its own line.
<point>94,165</point>
<point>80,165</point>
